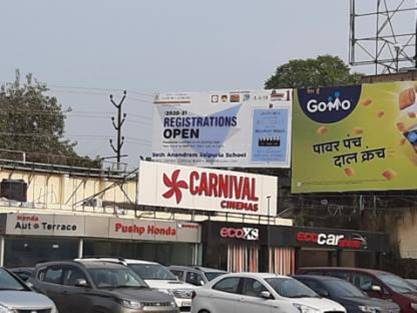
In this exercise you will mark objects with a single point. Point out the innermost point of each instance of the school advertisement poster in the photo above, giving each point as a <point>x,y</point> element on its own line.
<point>355,138</point>
<point>223,129</point>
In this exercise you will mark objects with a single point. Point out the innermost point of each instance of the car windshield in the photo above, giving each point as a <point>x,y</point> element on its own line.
<point>8,282</point>
<point>212,275</point>
<point>290,288</point>
<point>152,272</point>
<point>341,289</point>
<point>396,283</point>
<point>116,278</point>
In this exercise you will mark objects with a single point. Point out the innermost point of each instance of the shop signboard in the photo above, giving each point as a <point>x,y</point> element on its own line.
<point>193,188</point>
<point>222,232</point>
<point>100,227</point>
<point>44,225</point>
<point>355,138</point>
<point>223,129</point>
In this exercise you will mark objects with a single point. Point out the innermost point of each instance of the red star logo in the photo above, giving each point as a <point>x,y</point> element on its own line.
<point>174,186</point>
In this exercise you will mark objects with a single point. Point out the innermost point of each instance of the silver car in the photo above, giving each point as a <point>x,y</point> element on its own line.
<point>15,296</point>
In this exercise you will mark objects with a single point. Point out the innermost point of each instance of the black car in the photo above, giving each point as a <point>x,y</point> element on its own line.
<point>98,287</point>
<point>22,272</point>
<point>343,292</point>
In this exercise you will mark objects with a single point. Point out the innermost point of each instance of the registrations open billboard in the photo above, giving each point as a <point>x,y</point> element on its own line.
<point>223,129</point>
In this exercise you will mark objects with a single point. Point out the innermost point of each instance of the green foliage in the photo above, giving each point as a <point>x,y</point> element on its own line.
<point>323,71</point>
<point>33,122</point>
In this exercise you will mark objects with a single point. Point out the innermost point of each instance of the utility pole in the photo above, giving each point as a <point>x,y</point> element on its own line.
<point>118,127</point>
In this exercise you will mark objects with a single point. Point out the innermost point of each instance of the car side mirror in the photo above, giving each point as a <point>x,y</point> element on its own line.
<point>266,295</point>
<point>29,284</point>
<point>201,282</point>
<point>376,288</point>
<point>81,282</point>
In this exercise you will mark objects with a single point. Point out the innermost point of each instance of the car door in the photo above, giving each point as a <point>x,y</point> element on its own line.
<point>76,298</point>
<point>49,282</point>
<point>225,295</point>
<point>251,299</point>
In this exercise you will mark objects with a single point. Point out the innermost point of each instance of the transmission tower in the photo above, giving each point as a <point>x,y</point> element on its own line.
<point>383,35</point>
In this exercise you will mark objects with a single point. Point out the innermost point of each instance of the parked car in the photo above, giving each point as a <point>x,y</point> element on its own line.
<point>98,287</point>
<point>195,275</point>
<point>348,295</point>
<point>23,272</point>
<point>15,296</point>
<point>377,284</point>
<point>260,293</point>
<point>159,277</point>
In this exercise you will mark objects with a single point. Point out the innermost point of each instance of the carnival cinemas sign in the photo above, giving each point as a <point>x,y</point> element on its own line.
<point>206,189</point>
<point>354,241</point>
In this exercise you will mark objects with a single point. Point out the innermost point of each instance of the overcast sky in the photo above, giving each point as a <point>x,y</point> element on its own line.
<point>84,49</point>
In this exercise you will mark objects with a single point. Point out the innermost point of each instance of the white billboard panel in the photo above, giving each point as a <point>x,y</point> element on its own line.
<point>194,188</point>
<point>223,129</point>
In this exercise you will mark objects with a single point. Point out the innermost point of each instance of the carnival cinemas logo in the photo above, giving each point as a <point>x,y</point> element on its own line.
<point>244,233</point>
<point>357,241</point>
<point>238,192</point>
<point>329,105</point>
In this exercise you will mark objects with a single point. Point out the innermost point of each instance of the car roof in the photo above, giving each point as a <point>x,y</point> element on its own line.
<point>255,275</point>
<point>87,264</point>
<point>318,277</point>
<point>350,269</point>
<point>196,268</point>
<point>116,260</point>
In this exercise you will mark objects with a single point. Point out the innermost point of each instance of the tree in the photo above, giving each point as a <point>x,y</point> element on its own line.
<point>323,71</point>
<point>33,122</point>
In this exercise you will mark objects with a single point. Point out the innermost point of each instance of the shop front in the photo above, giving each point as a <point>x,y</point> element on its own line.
<point>28,239</point>
<point>331,247</point>
<point>239,247</point>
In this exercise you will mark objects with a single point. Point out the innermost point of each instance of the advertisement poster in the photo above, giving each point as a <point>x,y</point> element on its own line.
<point>223,129</point>
<point>204,189</point>
<point>355,138</point>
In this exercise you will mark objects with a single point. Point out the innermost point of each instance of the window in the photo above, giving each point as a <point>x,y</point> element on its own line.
<point>194,279</point>
<point>316,286</point>
<point>396,283</point>
<point>8,282</point>
<point>53,275</point>
<point>179,274</point>
<point>290,288</point>
<point>362,281</point>
<point>72,274</point>
<point>229,285</point>
<point>252,288</point>
<point>152,272</point>
<point>339,274</point>
<point>119,277</point>
<point>212,275</point>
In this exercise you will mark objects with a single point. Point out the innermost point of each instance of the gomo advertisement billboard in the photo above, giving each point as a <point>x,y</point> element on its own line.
<point>194,188</point>
<point>355,138</point>
<point>223,129</point>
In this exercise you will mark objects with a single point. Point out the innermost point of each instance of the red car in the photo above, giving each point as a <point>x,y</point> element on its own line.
<point>377,284</point>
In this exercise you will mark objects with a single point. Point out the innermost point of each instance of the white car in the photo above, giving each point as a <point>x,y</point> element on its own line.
<point>158,277</point>
<point>259,293</point>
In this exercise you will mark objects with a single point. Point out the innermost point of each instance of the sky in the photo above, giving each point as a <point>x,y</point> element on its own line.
<point>86,49</point>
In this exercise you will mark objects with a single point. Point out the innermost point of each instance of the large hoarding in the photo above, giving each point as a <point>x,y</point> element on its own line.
<point>223,129</point>
<point>355,138</point>
<point>194,188</point>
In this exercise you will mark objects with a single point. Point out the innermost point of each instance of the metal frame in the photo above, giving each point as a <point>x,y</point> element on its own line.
<point>386,47</point>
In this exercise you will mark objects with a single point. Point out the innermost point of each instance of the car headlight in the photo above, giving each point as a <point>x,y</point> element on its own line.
<point>305,309</point>
<point>414,306</point>
<point>167,291</point>
<point>369,309</point>
<point>4,309</point>
<point>173,304</point>
<point>131,304</point>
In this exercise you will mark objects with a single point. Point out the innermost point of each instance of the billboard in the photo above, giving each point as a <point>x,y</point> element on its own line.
<point>355,138</point>
<point>194,188</point>
<point>223,129</point>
